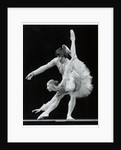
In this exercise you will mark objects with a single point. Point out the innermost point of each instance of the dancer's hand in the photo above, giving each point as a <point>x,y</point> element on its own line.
<point>72,35</point>
<point>36,110</point>
<point>67,49</point>
<point>29,76</point>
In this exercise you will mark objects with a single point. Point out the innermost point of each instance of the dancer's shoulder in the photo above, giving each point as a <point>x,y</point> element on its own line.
<point>56,59</point>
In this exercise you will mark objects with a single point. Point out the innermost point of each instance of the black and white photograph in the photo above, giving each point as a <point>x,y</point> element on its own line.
<point>60,74</point>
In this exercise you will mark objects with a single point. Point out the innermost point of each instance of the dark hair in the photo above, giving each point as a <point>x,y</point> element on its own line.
<point>61,52</point>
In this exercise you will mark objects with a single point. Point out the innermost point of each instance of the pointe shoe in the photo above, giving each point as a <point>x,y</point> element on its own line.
<point>72,35</point>
<point>70,118</point>
<point>42,116</point>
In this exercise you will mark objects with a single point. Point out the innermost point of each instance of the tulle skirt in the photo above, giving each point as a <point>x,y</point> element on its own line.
<point>84,79</point>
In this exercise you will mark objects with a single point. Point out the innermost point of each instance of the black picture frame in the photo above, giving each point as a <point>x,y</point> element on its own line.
<point>3,15</point>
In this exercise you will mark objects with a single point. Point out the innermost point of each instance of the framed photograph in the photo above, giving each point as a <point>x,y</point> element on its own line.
<point>34,36</point>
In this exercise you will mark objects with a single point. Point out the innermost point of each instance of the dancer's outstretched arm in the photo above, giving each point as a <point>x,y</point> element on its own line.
<point>41,69</point>
<point>45,67</point>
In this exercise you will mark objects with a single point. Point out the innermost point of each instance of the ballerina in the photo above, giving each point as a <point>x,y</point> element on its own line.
<point>76,82</point>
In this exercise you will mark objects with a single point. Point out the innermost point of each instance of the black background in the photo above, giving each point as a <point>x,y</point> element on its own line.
<point>39,45</point>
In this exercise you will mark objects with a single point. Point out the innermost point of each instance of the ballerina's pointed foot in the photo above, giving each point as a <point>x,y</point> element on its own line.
<point>69,118</point>
<point>72,35</point>
<point>42,116</point>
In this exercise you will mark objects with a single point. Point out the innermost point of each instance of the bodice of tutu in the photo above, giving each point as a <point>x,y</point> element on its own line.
<point>62,67</point>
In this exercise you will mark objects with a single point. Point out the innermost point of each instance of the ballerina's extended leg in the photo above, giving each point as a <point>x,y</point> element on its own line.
<point>44,107</point>
<point>54,103</point>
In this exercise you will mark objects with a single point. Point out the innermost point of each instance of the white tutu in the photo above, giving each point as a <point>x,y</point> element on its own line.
<point>84,79</point>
